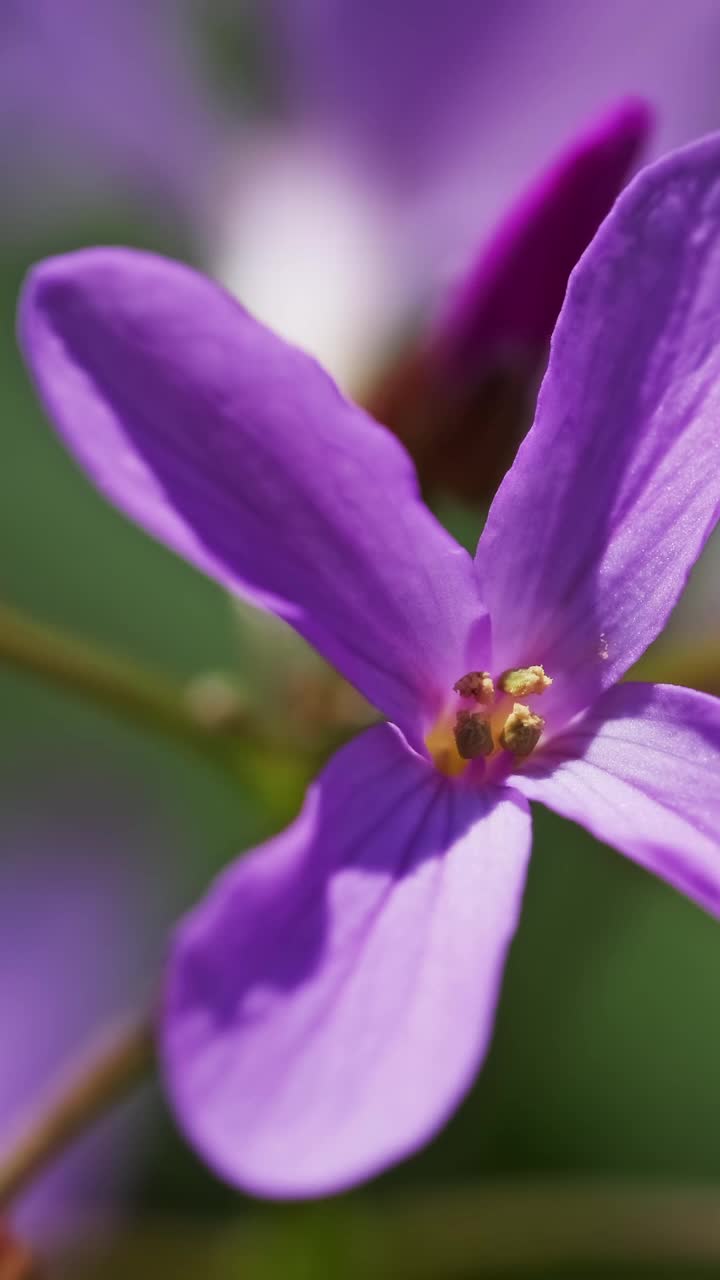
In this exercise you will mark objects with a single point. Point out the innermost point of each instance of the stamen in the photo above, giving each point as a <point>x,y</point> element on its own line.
<point>473,735</point>
<point>477,685</point>
<point>522,731</point>
<point>520,682</point>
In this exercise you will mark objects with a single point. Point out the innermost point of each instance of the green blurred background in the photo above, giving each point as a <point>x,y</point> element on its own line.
<point>596,1119</point>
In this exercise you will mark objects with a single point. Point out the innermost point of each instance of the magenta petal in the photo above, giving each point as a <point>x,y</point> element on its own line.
<point>593,532</point>
<point>239,452</point>
<point>640,770</point>
<point>510,299</point>
<point>330,1002</point>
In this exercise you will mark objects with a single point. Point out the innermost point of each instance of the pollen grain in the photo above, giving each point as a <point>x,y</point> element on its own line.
<point>522,730</point>
<point>473,735</point>
<point>521,682</point>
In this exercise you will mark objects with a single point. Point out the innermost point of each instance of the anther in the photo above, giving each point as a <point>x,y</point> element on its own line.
<point>520,682</point>
<point>522,731</point>
<point>477,685</point>
<point>473,736</point>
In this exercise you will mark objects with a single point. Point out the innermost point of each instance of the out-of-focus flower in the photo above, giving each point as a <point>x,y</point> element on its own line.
<point>385,142</point>
<point>385,145</point>
<point>405,131</point>
<point>79,941</point>
<point>103,99</point>
<point>330,1002</point>
<point>459,393</point>
<point>463,397</point>
<point>416,93</point>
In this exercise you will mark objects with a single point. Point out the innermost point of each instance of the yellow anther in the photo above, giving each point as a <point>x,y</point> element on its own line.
<point>522,730</point>
<point>473,735</point>
<point>477,685</point>
<point>520,682</point>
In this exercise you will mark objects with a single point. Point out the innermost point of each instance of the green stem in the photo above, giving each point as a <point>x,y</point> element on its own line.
<point>147,698</point>
<point>580,1227</point>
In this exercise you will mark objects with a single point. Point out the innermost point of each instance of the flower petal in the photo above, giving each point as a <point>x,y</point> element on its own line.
<point>239,452</point>
<point>330,1002</point>
<point>510,298</point>
<point>640,770</point>
<point>593,533</point>
<point>462,396</point>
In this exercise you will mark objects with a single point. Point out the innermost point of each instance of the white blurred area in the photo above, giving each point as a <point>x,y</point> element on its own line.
<point>309,251</point>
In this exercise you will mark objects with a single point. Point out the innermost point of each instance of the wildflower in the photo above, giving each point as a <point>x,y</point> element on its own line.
<point>409,129</point>
<point>330,1002</point>
<point>371,199</point>
<point>461,397</point>
<point>372,148</point>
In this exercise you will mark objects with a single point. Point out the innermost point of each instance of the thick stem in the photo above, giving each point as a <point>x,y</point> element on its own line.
<point>144,697</point>
<point>106,1076</point>
<point>554,1228</point>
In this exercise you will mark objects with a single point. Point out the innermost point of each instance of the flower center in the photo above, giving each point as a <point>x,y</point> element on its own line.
<point>486,723</point>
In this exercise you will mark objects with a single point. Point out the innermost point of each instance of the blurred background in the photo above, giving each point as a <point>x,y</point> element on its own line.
<point>336,163</point>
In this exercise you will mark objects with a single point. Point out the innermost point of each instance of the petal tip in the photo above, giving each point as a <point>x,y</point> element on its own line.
<point>632,116</point>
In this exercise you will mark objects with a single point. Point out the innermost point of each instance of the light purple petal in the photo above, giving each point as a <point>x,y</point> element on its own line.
<point>594,531</point>
<point>510,298</point>
<point>640,769</point>
<point>330,1002</point>
<point>239,453</point>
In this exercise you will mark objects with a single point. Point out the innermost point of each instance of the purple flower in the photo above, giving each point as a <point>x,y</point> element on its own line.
<point>373,184</point>
<point>425,101</point>
<point>419,92</point>
<point>407,131</point>
<point>136,116</point>
<point>330,1002</point>
<point>372,264</point>
<point>386,142</point>
<point>483,355</point>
